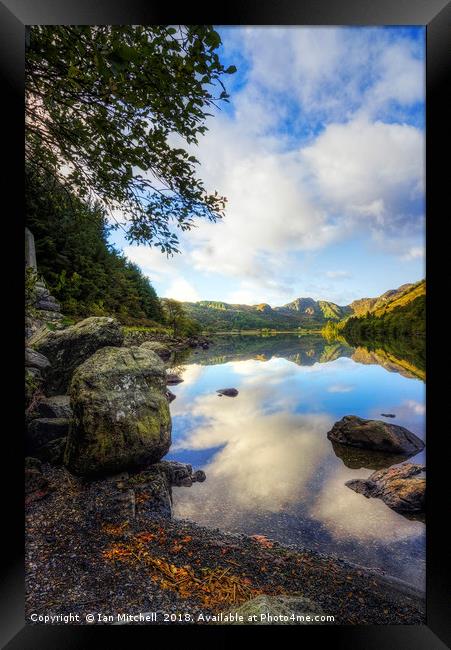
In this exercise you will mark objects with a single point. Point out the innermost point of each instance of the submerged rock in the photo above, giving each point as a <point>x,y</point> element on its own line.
<point>357,458</point>
<point>399,487</point>
<point>68,348</point>
<point>121,414</point>
<point>375,434</point>
<point>228,392</point>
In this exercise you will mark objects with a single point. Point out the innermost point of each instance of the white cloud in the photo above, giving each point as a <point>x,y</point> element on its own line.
<point>350,514</point>
<point>282,451</point>
<point>152,262</point>
<point>415,252</point>
<point>353,175</point>
<point>333,72</point>
<point>371,171</point>
<point>331,173</point>
<point>338,274</point>
<point>401,77</point>
<point>340,388</point>
<point>416,407</point>
<point>181,289</point>
<point>269,208</point>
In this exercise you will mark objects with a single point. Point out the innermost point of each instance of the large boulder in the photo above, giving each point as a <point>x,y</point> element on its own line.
<point>375,434</point>
<point>68,348</point>
<point>121,415</point>
<point>402,488</point>
<point>159,348</point>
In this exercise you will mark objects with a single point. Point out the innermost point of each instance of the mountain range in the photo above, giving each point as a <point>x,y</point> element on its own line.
<point>304,313</point>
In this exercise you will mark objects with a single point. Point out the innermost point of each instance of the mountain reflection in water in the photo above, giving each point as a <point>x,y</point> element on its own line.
<point>271,469</point>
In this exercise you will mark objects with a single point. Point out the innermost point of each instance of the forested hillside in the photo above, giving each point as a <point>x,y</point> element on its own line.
<point>304,313</point>
<point>398,313</point>
<point>84,273</point>
<point>403,315</point>
<point>363,305</point>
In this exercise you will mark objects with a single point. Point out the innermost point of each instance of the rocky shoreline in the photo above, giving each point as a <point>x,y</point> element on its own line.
<point>173,343</point>
<point>85,553</point>
<point>99,527</point>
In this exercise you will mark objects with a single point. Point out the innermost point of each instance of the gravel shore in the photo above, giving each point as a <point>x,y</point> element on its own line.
<point>83,559</point>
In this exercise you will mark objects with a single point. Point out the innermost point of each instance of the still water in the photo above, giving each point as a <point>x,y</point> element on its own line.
<point>271,469</point>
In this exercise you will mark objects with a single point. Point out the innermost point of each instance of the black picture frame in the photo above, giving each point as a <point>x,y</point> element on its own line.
<point>14,16</point>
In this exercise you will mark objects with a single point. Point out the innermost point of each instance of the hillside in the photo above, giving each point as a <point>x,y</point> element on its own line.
<point>363,305</point>
<point>307,313</point>
<point>402,315</point>
<point>302,312</point>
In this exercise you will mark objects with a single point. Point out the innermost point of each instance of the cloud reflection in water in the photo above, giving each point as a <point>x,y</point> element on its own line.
<point>272,469</point>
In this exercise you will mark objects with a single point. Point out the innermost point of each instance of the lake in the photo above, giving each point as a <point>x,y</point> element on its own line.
<point>271,469</point>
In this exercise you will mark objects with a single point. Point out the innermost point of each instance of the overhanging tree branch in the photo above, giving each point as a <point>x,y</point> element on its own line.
<point>104,101</point>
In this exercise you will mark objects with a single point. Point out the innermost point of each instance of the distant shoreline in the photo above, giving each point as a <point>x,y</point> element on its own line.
<point>258,332</point>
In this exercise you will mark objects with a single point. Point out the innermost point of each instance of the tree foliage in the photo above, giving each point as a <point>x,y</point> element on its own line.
<point>178,320</point>
<point>104,105</point>
<point>405,320</point>
<point>82,271</point>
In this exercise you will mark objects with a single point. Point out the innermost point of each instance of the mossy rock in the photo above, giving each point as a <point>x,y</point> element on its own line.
<point>159,348</point>
<point>68,348</point>
<point>121,417</point>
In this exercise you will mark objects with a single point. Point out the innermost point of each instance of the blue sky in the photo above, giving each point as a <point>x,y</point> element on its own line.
<point>320,153</point>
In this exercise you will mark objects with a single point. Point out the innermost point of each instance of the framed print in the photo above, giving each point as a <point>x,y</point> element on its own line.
<point>227,231</point>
